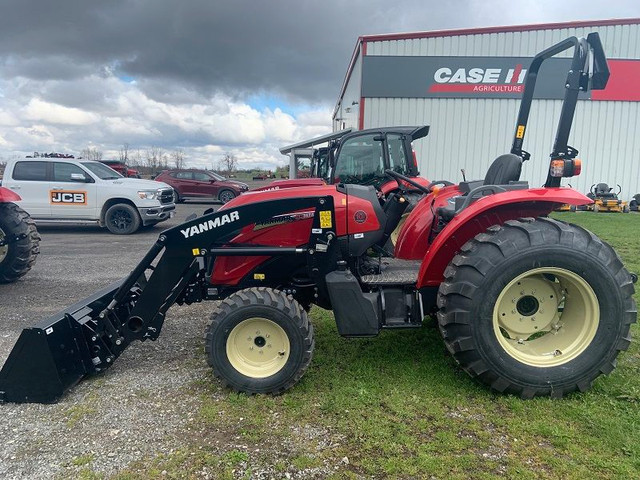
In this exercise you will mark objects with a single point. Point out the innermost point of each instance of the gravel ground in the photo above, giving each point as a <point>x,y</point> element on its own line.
<point>138,408</point>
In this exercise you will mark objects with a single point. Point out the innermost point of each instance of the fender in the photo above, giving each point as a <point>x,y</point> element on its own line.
<point>7,195</point>
<point>487,211</point>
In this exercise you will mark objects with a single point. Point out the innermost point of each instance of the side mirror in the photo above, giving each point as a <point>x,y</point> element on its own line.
<point>79,177</point>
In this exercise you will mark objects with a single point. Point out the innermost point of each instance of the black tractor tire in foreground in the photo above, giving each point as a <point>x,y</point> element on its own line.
<point>122,219</point>
<point>259,341</point>
<point>18,256</point>
<point>536,307</point>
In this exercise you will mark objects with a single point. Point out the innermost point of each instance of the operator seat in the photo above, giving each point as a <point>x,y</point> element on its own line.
<point>604,191</point>
<point>504,169</point>
<point>503,174</point>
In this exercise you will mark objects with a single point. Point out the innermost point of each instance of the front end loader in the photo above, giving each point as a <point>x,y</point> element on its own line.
<point>525,304</point>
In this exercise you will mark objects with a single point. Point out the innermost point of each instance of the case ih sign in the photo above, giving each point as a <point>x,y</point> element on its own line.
<point>482,77</point>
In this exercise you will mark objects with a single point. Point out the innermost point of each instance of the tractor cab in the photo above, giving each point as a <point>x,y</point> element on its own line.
<point>359,158</point>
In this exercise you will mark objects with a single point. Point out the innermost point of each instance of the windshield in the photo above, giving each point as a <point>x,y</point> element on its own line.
<point>102,171</point>
<point>361,161</point>
<point>216,176</point>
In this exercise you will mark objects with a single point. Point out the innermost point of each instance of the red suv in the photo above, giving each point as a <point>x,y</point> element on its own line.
<point>201,183</point>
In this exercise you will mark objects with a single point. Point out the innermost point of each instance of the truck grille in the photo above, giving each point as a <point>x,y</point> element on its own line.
<point>166,196</point>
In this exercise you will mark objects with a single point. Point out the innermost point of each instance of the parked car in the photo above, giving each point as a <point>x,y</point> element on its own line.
<point>122,168</point>
<point>81,191</point>
<point>201,183</point>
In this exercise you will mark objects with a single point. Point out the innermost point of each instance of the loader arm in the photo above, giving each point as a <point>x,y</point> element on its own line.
<point>86,338</point>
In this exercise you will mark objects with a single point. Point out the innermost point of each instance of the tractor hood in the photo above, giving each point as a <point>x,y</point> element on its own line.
<point>296,182</point>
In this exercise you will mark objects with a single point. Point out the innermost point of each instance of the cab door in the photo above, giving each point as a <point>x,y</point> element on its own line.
<point>30,180</point>
<point>73,192</point>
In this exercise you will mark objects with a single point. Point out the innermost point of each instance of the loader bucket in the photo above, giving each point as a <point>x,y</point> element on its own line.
<point>52,356</point>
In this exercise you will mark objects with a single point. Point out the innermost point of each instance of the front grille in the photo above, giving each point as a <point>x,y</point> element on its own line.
<point>166,195</point>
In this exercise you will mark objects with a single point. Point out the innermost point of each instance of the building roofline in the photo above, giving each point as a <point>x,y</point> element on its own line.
<point>499,29</point>
<point>364,39</point>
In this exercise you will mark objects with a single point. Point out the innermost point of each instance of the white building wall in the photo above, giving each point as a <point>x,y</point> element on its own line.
<point>470,133</point>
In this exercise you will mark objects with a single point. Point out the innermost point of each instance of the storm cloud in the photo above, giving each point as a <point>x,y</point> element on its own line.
<point>205,76</point>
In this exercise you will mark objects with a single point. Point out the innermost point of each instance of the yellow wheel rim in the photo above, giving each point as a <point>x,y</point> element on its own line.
<point>258,347</point>
<point>3,250</point>
<point>546,317</point>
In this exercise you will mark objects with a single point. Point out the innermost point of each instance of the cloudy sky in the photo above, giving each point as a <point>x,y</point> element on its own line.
<point>207,76</point>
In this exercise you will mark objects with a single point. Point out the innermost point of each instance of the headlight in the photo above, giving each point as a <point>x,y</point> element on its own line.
<point>148,194</point>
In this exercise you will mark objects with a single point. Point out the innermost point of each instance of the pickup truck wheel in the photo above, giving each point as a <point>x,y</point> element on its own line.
<point>259,341</point>
<point>18,256</point>
<point>226,196</point>
<point>122,219</point>
<point>536,307</point>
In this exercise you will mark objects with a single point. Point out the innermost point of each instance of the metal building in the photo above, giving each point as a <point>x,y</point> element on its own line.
<point>466,84</point>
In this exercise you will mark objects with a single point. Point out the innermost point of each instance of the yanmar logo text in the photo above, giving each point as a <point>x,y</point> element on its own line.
<point>479,80</point>
<point>210,225</point>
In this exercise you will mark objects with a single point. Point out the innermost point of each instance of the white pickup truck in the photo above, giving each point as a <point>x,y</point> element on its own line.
<point>79,191</point>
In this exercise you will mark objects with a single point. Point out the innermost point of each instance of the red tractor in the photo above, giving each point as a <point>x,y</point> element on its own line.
<point>19,239</point>
<point>525,304</point>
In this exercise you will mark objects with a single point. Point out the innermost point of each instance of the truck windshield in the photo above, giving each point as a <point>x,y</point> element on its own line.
<point>102,171</point>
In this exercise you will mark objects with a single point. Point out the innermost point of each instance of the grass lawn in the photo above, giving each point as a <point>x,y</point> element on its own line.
<point>397,406</point>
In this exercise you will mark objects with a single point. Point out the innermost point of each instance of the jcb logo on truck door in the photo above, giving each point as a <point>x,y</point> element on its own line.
<point>67,197</point>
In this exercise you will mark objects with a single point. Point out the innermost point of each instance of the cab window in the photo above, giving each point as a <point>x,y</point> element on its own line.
<point>62,171</point>
<point>360,161</point>
<point>397,153</point>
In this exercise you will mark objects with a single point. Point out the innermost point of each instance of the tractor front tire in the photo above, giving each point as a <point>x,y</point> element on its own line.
<point>259,341</point>
<point>536,307</point>
<point>19,255</point>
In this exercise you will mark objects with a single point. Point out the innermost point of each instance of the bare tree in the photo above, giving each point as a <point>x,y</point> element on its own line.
<point>92,153</point>
<point>156,159</point>
<point>124,153</point>
<point>178,158</point>
<point>228,163</point>
<point>136,159</point>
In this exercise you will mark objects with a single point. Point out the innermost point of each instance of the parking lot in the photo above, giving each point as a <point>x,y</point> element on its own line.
<point>114,419</point>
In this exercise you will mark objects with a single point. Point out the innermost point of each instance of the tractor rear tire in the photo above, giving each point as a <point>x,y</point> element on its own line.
<point>17,257</point>
<point>536,307</point>
<point>259,341</point>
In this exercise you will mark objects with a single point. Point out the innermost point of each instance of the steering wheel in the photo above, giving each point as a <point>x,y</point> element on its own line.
<point>426,190</point>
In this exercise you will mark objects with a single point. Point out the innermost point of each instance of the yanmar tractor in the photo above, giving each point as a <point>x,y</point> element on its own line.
<point>525,304</point>
<point>19,239</point>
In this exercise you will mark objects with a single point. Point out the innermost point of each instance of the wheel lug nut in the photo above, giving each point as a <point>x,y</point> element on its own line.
<point>267,335</point>
<point>261,352</point>
<point>250,348</point>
